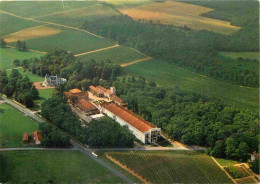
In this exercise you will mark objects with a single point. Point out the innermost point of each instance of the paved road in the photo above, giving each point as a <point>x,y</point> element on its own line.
<point>89,153</point>
<point>24,110</point>
<point>146,149</point>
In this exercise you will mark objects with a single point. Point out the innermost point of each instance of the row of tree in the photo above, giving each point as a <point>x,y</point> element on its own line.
<point>19,87</point>
<point>104,132</point>
<point>192,49</point>
<point>193,119</point>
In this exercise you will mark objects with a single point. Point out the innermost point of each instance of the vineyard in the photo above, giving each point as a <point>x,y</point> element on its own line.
<point>172,169</point>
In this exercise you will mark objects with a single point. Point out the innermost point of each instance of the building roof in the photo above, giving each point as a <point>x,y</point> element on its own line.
<point>73,91</point>
<point>25,137</point>
<point>102,88</point>
<point>129,117</point>
<point>97,116</point>
<point>85,105</point>
<point>116,99</point>
<point>97,90</point>
<point>37,136</point>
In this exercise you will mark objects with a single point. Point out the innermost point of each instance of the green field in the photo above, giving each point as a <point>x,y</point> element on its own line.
<point>32,77</point>
<point>10,24</point>
<point>178,168</point>
<point>44,94</point>
<point>225,162</point>
<point>235,55</point>
<point>56,166</point>
<point>9,54</point>
<point>168,75</point>
<point>117,55</point>
<point>78,17</point>
<point>41,8</point>
<point>71,40</point>
<point>13,124</point>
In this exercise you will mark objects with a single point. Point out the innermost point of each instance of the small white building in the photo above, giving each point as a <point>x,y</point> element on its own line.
<point>142,130</point>
<point>96,116</point>
<point>53,80</point>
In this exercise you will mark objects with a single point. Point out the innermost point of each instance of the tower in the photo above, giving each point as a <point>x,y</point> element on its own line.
<point>113,90</point>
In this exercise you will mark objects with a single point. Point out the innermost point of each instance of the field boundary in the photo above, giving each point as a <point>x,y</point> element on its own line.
<point>126,168</point>
<point>98,50</point>
<point>136,61</point>
<point>51,23</point>
<point>224,170</point>
<point>30,50</point>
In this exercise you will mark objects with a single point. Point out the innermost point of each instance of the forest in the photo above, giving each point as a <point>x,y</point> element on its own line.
<point>18,87</point>
<point>101,133</point>
<point>191,49</point>
<point>193,119</point>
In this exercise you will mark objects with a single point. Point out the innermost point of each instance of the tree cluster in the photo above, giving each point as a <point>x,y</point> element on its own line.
<point>2,43</point>
<point>19,87</point>
<point>21,46</point>
<point>192,49</point>
<point>53,137</point>
<point>105,132</point>
<point>193,119</point>
<point>79,73</point>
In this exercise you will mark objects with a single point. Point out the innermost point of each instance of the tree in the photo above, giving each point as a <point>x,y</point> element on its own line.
<point>34,92</point>
<point>231,146</point>
<point>2,43</point>
<point>16,62</point>
<point>242,151</point>
<point>255,166</point>
<point>21,46</point>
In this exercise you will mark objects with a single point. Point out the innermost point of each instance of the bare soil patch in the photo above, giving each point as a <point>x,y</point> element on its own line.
<point>38,85</point>
<point>31,33</point>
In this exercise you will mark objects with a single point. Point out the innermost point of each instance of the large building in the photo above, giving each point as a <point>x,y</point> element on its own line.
<point>53,80</point>
<point>87,107</point>
<point>143,130</point>
<point>76,94</point>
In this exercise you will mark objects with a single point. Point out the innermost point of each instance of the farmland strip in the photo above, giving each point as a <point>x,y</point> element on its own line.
<point>136,61</point>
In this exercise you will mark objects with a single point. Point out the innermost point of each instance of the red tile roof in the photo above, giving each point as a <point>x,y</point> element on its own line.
<point>25,137</point>
<point>97,90</point>
<point>73,91</point>
<point>116,99</point>
<point>101,88</point>
<point>85,105</point>
<point>129,117</point>
<point>37,136</point>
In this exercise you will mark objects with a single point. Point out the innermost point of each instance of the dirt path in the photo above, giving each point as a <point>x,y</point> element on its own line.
<point>223,170</point>
<point>136,61</point>
<point>126,168</point>
<point>89,52</point>
<point>44,22</point>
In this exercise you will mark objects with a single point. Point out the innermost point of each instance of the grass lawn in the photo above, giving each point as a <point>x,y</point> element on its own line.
<point>249,55</point>
<point>225,162</point>
<point>34,9</point>
<point>44,94</point>
<point>172,168</point>
<point>13,124</point>
<point>33,77</point>
<point>58,166</point>
<point>71,40</point>
<point>10,24</point>
<point>117,55</point>
<point>78,17</point>
<point>168,75</point>
<point>9,54</point>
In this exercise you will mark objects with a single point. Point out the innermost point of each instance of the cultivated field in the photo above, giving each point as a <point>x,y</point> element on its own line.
<point>31,33</point>
<point>77,17</point>
<point>168,75</point>
<point>33,9</point>
<point>55,166</point>
<point>179,14</point>
<point>235,55</point>
<point>9,54</point>
<point>116,55</point>
<point>72,40</point>
<point>178,168</point>
<point>10,24</point>
<point>13,124</point>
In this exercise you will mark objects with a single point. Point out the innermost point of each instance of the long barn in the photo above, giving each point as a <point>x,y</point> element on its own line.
<point>143,130</point>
